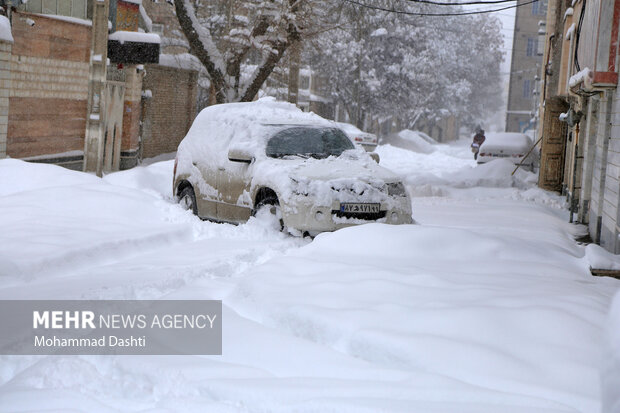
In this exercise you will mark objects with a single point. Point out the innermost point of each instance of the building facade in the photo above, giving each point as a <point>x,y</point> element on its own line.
<point>63,102</point>
<point>580,107</point>
<point>527,51</point>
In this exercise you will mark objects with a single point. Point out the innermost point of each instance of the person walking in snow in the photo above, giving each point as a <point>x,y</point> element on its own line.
<point>479,139</point>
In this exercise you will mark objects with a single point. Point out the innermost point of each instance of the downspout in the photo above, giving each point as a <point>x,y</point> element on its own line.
<point>575,155</point>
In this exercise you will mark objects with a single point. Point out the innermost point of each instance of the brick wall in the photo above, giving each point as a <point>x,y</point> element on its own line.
<point>169,113</point>
<point>5,87</point>
<point>49,86</point>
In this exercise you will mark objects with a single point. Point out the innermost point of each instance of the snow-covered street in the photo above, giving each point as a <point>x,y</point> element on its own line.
<point>487,304</point>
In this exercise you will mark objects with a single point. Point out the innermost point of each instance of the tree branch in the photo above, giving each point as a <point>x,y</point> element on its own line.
<point>202,46</point>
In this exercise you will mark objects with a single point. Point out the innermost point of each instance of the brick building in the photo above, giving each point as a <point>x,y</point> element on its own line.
<point>527,50</point>
<point>44,91</point>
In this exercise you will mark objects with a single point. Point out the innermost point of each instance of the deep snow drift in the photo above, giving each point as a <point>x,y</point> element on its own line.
<point>486,306</point>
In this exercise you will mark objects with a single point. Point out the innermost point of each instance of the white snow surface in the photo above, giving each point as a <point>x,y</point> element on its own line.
<point>487,305</point>
<point>412,141</point>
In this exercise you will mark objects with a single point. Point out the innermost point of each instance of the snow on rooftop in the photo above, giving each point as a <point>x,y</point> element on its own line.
<point>137,37</point>
<point>5,29</point>
<point>180,61</point>
<point>69,19</point>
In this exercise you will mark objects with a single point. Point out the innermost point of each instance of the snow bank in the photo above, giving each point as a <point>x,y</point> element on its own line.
<point>410,140</point>
<point>498,313</point>
<point>19,176</point>
<point>601,259</point>
<point>47,208</point>
<point>611,361</point>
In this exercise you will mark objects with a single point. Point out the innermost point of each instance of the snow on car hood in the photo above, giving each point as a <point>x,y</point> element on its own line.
<point>355,179</point>
<point>339,168</point>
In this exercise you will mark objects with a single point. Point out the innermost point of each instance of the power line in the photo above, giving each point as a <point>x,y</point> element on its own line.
<point>408,13</point>
<point>465,3</point>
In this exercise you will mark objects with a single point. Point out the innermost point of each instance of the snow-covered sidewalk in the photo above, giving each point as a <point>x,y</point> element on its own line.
<point>487,305</point>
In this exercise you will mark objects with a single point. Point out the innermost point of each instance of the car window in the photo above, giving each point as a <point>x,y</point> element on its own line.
<point>308,142</point>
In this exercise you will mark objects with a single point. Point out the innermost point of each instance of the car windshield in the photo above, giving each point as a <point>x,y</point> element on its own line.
<point>307,141</point>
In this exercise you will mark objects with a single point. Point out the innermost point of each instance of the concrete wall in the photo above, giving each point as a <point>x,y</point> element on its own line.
<point>170,109</point>
<point>601,203</point>
<point>48,88</point>
<point>610,211</point>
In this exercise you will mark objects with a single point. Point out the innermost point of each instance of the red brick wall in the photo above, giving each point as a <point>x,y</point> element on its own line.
<point>171,109</point>
<point>49,86</point>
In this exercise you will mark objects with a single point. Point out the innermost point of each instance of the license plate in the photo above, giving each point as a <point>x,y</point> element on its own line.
<point>359,208</point>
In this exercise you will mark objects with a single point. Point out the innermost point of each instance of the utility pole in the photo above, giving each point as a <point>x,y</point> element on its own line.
<point>95,122</point>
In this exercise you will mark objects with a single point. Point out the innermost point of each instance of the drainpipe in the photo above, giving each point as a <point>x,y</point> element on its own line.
<point>575,155</point>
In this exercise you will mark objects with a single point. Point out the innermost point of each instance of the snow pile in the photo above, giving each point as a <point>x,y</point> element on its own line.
<point>611,357</point>
<point>155,178</point>
<point>47,209</point>
<point>446,168</point>
<point>601,259</point>
<point>411,140</point>
<point>19,176</point>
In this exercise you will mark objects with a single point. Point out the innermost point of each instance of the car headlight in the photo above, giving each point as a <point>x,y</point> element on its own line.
<point>396,189</point>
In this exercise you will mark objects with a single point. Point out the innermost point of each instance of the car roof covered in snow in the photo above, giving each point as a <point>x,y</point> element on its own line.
<point>247,125</point>
<point>506,141</point>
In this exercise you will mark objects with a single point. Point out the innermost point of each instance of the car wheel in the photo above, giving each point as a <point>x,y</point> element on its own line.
<point>187,200</point>
<point>269,209</point>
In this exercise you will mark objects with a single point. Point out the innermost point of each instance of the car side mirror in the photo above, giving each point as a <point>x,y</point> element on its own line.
<point>375,156</point>
<point>240,155</point>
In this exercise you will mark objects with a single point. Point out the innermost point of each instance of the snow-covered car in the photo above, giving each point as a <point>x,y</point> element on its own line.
<point>509,145</point>
<point>367,140</point>
<point>239,158</point>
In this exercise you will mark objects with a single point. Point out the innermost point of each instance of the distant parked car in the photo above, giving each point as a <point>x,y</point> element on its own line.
<point>367,140</point>
<point>508,145</point>
<point>239,159</point>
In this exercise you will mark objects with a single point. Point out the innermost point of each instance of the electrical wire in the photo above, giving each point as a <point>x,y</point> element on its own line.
<point>577,35</point>
<point>465,13</point>
<point>465,3</point>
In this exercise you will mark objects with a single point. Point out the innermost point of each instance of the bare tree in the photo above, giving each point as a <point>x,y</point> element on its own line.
<point>249,44</point>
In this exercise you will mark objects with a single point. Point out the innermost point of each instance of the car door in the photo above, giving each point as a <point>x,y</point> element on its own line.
<point>233,183</point>
<point>205,191</point>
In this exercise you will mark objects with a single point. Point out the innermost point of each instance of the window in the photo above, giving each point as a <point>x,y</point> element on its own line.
<point>157,28</point>
<point>539,7</point>
<point>72,8</point>
<point>304,82</point>
<point>531,47</point>
<point>307,141</point>
<point>527,89</point>
<point>541,44</point>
